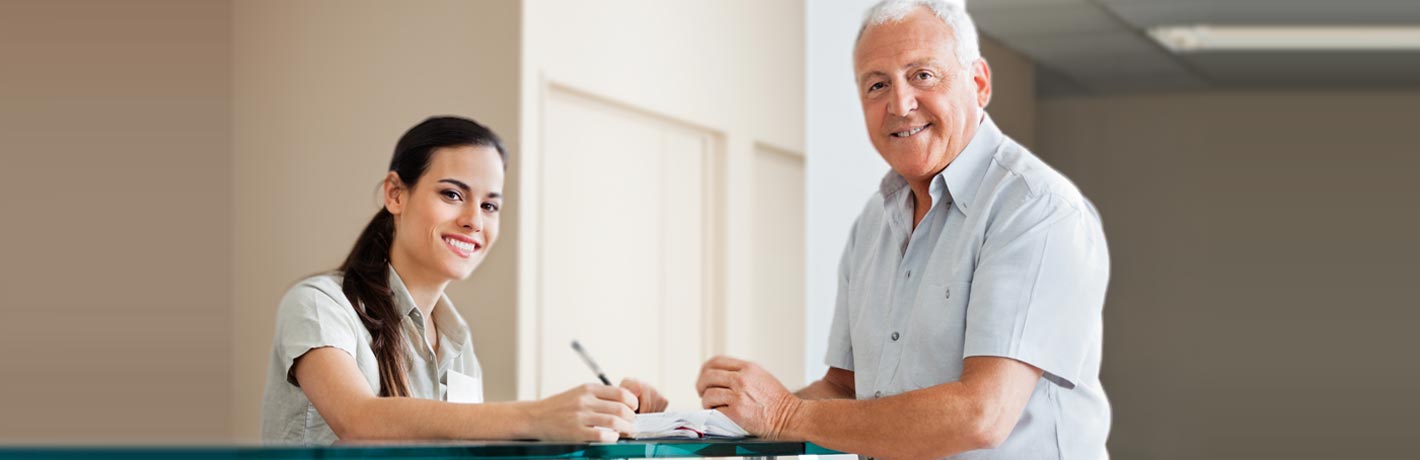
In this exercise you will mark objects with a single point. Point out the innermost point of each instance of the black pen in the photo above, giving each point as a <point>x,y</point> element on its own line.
<point>590,363</point>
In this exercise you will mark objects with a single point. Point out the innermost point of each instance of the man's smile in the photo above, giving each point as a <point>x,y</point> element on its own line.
<point>911,131</point>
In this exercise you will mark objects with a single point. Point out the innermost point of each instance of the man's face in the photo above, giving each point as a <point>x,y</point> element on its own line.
<point>920,104</point>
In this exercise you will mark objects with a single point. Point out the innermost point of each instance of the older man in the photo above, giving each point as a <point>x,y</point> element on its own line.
<point>969,299</point>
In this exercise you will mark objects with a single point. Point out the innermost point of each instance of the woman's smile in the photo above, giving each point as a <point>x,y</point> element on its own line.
<point>462,246</point>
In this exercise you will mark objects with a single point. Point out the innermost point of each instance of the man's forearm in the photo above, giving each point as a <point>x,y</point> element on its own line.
<point>823,389</point>
<point>928,423</point>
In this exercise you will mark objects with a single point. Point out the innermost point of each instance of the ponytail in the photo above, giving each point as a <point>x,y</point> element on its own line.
<point>367,285</point>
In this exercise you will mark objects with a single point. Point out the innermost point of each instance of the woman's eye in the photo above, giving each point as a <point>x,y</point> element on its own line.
<point>490,207</point>
<point>452,195</point>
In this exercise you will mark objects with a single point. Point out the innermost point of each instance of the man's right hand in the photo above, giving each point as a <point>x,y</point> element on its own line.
<point>575,414</point>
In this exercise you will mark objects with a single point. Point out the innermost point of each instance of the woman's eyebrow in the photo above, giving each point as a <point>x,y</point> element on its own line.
<point>466,189</point>
<point>457,183</point>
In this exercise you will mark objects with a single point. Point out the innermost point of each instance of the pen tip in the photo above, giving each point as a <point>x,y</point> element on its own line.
<point>576,346</point>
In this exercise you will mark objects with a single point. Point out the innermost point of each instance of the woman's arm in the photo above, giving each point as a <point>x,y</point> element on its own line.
<point>333,383</point>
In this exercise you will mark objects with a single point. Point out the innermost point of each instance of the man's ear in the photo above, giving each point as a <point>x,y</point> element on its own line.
<point>981,75</point>
<point>395,194</point>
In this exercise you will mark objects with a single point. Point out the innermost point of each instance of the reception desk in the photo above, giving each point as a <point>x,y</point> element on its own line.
<point>427,451</point>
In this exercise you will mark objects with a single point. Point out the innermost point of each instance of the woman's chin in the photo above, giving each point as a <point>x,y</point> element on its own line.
<point>463,270</point>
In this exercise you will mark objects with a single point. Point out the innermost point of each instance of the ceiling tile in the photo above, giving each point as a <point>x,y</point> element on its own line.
<point>1044,20</point>
<point>1150,13</point>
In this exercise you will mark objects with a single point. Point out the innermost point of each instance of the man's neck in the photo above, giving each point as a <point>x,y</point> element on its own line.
<point>921,200</point>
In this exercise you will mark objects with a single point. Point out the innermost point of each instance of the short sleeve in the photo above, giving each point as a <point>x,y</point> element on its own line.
<point>840,343</point>
<point>1038,290</point>
<point>310,318</point>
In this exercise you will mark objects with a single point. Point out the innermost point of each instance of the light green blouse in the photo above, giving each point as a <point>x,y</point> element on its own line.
<point>315,313</point>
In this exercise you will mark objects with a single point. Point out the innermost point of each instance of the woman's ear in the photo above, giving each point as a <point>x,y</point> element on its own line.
<point>394,193</point>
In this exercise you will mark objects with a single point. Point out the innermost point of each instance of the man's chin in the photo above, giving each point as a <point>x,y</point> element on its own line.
<point>914,170</point>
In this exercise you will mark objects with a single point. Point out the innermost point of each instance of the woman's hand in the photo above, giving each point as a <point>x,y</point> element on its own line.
<point>586,413</point>
<point>651,400</point>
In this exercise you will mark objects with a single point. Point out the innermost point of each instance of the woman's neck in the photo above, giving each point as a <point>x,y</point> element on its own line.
<point>423,288</point>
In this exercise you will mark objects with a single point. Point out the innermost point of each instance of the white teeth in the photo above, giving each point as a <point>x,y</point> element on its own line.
<point>460,244</point>
<point>910,131</point>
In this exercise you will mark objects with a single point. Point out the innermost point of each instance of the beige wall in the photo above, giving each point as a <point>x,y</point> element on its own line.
<point>114,297</point>
<point>1263,247</point>
<point>1013,98</point>
<point>322,90</point>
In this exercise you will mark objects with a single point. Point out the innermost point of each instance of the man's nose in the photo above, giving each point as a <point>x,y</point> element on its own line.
<point>904,100</point>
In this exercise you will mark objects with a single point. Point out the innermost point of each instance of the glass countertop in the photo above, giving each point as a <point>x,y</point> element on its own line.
<point>750,447</point>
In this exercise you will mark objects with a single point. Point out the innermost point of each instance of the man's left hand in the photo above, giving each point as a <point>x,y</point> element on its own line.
<point>748,394</point>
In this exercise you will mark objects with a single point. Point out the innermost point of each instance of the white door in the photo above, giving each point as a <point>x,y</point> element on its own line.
<point>626,263</point>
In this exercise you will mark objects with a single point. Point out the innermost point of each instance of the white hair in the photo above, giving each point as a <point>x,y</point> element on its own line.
<point>953,13</point>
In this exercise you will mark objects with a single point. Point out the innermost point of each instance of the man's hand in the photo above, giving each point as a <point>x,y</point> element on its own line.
<point>651,400</point>
<point>748,394</point>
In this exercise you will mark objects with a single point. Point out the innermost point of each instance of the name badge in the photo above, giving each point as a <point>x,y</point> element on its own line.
<point>464,389</point>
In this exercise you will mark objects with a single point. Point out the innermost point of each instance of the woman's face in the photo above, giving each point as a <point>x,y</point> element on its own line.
<point>446,223</point>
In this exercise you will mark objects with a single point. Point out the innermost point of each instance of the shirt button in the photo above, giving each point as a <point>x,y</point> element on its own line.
<point>949,293</point>
<point>895,336</point>
<point>909,273</point>
<point>878,394</point>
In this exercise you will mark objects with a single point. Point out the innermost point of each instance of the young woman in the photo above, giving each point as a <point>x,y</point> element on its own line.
<point>375,350</point>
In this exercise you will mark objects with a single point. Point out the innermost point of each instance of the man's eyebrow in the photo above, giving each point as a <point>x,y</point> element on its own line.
<point>929,62</point>
<point>864,77</point>
<point>495,195</point>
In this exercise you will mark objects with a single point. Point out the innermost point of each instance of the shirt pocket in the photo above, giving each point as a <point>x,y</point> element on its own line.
<point>936,334</point>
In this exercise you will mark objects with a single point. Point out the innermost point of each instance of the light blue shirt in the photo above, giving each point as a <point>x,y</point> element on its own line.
<point>1010,261</point>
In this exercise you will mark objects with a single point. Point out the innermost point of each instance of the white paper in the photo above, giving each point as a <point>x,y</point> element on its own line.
<point>686,424</point>
<point>465,389</point>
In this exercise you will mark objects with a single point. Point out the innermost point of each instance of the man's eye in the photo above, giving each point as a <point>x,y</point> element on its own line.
<point>924,75</point>
<point>452,195</point>
<point>876,86</point>
<point>490,207</point>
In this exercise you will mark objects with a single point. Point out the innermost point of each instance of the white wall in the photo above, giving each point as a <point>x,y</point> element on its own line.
<point>843,170</point>
<point>730,67</point>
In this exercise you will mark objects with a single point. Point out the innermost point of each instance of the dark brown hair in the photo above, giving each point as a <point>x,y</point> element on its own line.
<point>366,269</point>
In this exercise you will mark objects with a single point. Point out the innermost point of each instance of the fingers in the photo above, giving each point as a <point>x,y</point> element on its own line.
<point>597,435</point>
<point>613,408</point>
<point>710,378</point>
<point>716,397</point>
<point>724,362</point>
<point>637,388</point>
<point>655,402</point>
<point>617,424</point>
<point>650,400</point>
<point>632,384</point>
<point>616,394</point>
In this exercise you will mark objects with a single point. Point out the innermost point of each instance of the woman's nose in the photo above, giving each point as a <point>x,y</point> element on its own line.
<point>473,222</point>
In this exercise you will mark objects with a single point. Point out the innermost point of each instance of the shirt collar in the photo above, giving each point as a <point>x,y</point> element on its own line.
<point>446,317</point>
<point>962,176</point>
